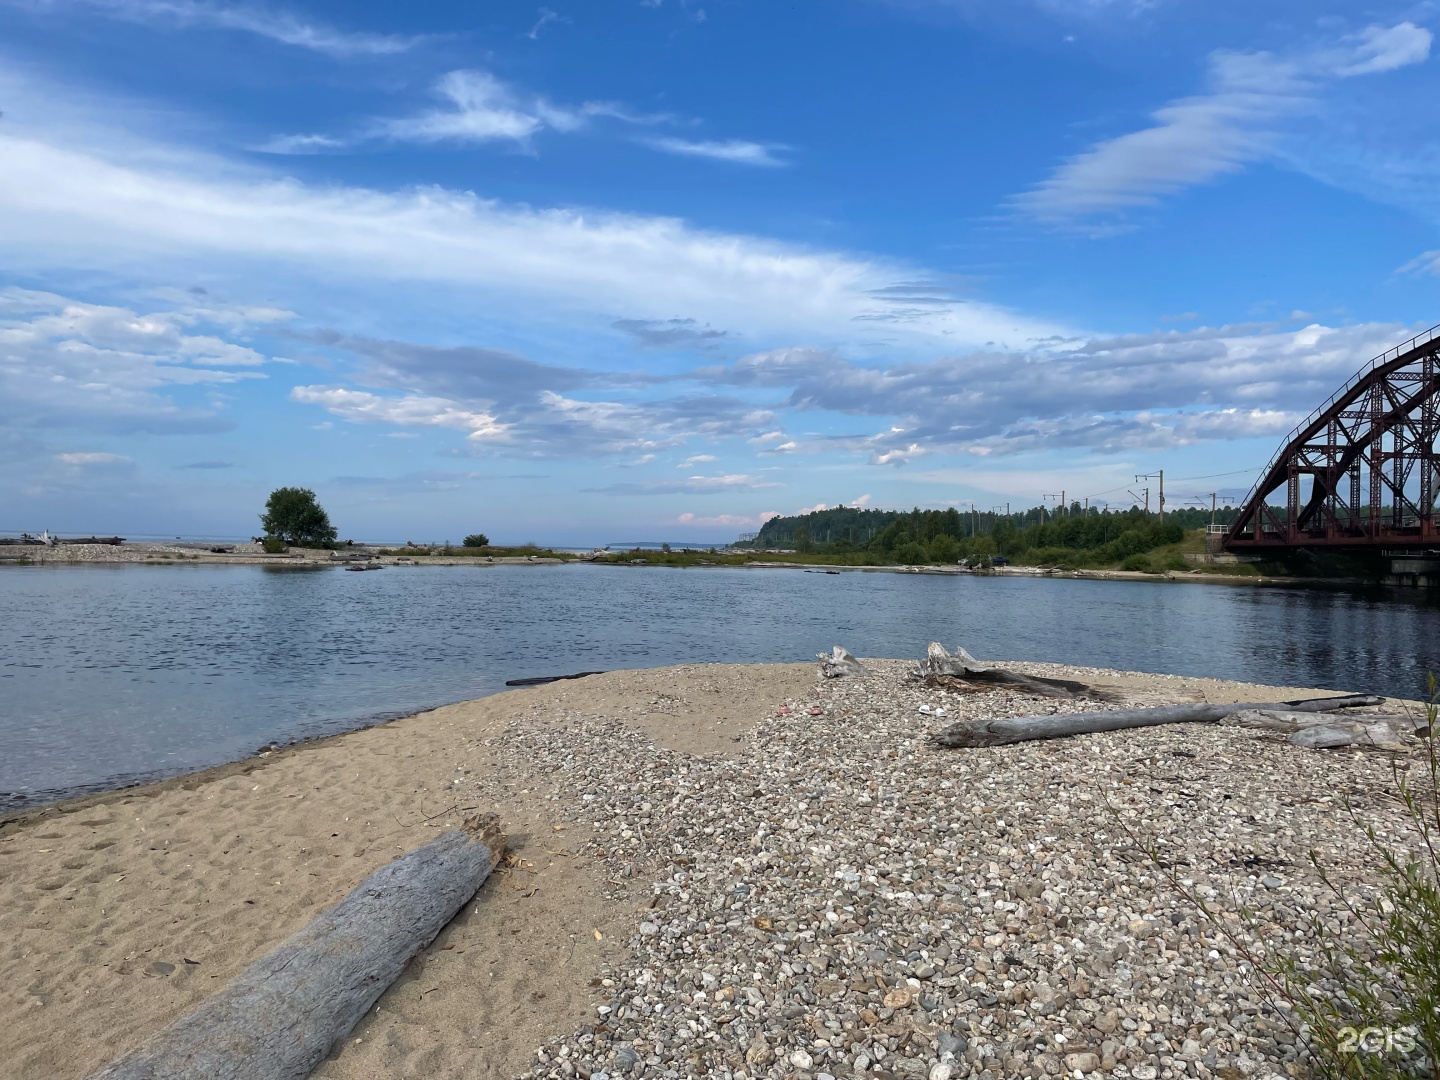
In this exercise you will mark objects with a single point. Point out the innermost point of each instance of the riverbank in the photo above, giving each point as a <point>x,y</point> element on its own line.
<point>179,554</point>
<point>718,869</point>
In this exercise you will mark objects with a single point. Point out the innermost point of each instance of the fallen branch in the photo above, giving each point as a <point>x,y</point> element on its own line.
<point>1061,725</point>
<point>279,1018</point>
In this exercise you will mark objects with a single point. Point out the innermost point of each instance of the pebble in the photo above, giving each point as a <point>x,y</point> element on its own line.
<point>834,898</point>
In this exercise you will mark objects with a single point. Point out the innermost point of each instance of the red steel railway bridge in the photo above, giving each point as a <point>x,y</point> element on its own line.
<point>1361,472</point>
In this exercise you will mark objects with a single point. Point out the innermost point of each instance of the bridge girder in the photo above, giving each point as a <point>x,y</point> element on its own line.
<point>1369,457</point>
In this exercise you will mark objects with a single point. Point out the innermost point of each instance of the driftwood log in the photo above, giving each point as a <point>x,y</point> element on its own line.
<point>1383,731</point>
<point>1060,725</point>
<point>839,663</point>
<point>541,680</point>
<point>939,665</point>
<point>279,1018</point>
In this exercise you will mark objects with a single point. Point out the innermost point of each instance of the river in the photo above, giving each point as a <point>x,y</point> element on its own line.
<point>113,674</point>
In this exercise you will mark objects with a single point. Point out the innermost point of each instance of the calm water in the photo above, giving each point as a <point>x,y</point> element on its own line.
<point>112,674</point>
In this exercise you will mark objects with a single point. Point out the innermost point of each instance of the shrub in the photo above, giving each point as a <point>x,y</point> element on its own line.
<point>273,545</point>
<point>1367,1005</point>
<point>1382,1017</point>
<point>475,540</point>
<point>1137,562</point>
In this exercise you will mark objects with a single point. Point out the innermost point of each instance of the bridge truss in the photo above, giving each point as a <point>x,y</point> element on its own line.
<point>1361,471</point>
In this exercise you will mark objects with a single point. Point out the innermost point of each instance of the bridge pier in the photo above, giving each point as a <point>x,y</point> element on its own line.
<point>1415,569</point>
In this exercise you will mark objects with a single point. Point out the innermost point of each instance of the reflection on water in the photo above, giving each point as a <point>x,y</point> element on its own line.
<point>112,673</point>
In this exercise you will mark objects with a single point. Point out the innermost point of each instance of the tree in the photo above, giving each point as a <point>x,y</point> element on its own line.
<point>294,516</point>
<point>477,540</point>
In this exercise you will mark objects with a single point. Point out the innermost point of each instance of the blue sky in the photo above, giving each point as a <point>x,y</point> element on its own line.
<point>654,270</point>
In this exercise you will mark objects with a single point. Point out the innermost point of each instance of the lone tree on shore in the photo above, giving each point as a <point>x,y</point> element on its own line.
<point>293,515</point>
<point>477,540</point>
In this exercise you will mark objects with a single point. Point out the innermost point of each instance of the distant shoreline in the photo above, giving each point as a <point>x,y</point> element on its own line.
<point>193,554</point>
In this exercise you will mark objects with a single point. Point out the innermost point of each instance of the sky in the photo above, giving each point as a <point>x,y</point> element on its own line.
<point>644,270</point>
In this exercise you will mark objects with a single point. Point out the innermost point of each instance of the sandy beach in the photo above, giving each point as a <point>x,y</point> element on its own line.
<point>718,870</point>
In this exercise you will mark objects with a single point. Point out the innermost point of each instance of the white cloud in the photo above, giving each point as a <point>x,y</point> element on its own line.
<point>273,23</point>
<point>695,459</point>
<point>482,109</point>
<point>1197,139</point>
<point>301,144</point>
<point>478,108</point>
<point>694,485</point>
<point>101,202</point>
<point>68,363</point>
<point>733,521</point>
<point>546,17</point>
<point>409,410</point>
<point>861,501</point>
<point>1149,391</point>
<point>736,151</point>
<point>1384,48</point>
<point>92,458</point>
<point>900,455</point>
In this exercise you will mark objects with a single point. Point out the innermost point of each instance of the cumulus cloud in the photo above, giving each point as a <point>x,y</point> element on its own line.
<point>1235,122</point>
<point>68,363</point>
<point>410,409</point>
<point>1148,391</point>
<point>509,402</point>
<point>274,23</point>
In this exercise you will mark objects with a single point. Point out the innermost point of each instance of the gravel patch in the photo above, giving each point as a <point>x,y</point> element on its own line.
<point>833,898</point>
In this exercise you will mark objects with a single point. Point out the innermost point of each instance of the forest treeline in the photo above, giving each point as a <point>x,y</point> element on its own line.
<point>1034,536</point>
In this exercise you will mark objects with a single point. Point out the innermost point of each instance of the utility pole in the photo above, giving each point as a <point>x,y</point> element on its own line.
<point>1151,476</point>
<point>975,520</point>
<point>1212,510</point>
<point>1059,501</point>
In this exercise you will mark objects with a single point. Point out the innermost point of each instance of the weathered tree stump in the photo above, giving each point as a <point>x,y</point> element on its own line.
<point>279,1018</point>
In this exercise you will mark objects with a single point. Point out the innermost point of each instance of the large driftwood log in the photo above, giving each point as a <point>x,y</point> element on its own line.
<point>1060,725</point>
<point>279,1018</point>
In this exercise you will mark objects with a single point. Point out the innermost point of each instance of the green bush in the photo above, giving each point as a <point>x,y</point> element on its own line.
<point>1382,1019</point>
<point>475,540</point>
<point>273,545</point>
<point>1137,562</point>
